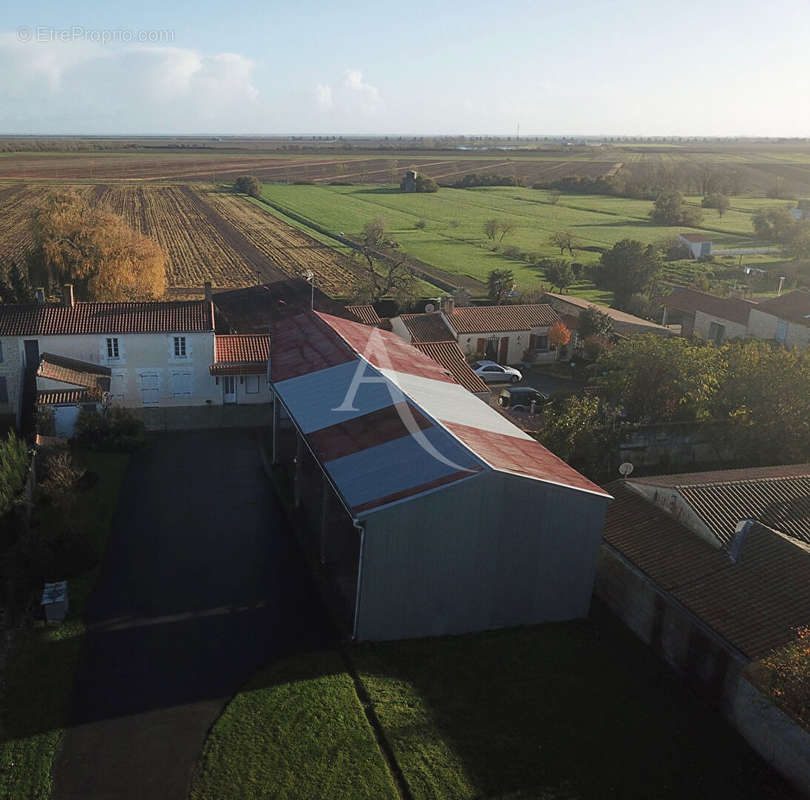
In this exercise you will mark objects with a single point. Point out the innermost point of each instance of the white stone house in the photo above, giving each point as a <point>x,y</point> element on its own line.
<point>785,318</point>
<point>155,355</point>
<point>501,333</point>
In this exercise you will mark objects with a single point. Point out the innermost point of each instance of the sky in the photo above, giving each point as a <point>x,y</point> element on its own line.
<point>615,67</point>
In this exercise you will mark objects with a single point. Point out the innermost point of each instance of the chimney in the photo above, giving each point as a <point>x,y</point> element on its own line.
<point>39,294</point>
<point>781,284</point>
<point>67,296</point>
<point>208,292</point>
<point>449,306</point>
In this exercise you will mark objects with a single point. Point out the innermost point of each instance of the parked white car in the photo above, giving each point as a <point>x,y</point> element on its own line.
<point>491,372</point>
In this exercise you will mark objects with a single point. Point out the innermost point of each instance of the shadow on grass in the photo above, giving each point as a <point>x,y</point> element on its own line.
<point>567,710</point>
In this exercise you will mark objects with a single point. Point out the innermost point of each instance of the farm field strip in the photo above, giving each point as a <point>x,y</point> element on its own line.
<point>208,237</point>
<point>286,245</point>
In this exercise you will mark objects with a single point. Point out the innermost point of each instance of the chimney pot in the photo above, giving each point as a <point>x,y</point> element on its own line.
<point>449,306</point>
<point>39,294</point>
<point>67,296</point>
<point>207,289</point>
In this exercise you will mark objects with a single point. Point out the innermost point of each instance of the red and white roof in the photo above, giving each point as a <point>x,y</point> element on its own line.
<point>388,423</point>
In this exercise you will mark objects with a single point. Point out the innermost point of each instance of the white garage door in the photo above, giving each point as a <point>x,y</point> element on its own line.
<point>64,420</point>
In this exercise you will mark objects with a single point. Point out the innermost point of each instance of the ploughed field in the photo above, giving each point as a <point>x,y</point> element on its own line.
<point>211,168</point>
<point>208,236</point>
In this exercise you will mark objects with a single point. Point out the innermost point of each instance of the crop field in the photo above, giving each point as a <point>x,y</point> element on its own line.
<point>211,168</point>
<point>208,237</point>
<point>453,238</point>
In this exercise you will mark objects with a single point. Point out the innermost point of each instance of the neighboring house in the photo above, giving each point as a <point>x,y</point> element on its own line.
<point>413,494</point>
<point>158,354</point>
<point>785,318</point>
<point>452,359</point>
<point>712,604</point>
<point>250,310</point>
<point>240,367</point>
<point>711,504</point>
<point>65,386</point>
<point>698,244</point>
<point>623,323</point>
<point>366,314</point>
<point>714,319</point>
<point>501,333</point>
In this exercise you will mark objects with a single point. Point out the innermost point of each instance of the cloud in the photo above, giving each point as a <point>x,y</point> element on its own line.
<point>323,97</point>
<point>350,97</point>
<point>86,87</point>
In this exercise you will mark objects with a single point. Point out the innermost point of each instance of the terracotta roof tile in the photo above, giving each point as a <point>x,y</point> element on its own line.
<point>87,318</point>
<point>689,300</point>
<point>69,397</point>
<point>495,319</point>
<point>755,604</point>
<point>793,307</point>
<point>428,327</point>
<point>449,355</point>
<point>366,314</point>
<point>240,354</point>
<point>74,372</point>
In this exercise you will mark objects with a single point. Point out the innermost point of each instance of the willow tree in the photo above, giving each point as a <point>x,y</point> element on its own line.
<point>96,251</point>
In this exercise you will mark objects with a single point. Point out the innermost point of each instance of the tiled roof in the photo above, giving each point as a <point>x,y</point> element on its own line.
<point>74,372</point>
<point>731,308</point>
<point>387,422</point>
<point>366,314</point>
<point>449,355</point>
<point>240,354</point>
<point>70,397</point>
<point>85,318</point>
<point>793,307</point>
<point>621,319</point>
<point>429,327</point>
<point>778,497</point>
<point>495,319</point>
<point>696,237</point>
<point>252,309</point>
<point>756,604</point>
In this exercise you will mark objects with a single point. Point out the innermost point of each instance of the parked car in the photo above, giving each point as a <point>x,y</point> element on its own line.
<point>520,398</point>
<point>491,372</point>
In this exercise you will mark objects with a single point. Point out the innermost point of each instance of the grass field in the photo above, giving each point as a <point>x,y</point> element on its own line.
<point>570,711</point>
<point>453,237</point>
<point>38,675</point>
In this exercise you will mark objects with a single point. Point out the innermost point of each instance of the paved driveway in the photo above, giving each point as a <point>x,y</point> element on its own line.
<point>200,587</point>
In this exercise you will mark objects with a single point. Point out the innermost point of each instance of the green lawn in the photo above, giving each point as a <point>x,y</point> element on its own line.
<point>569,710</point>
<point>560,711</point>
<point>453,238</point>
<point>38,676</point>
<point>297,730</point>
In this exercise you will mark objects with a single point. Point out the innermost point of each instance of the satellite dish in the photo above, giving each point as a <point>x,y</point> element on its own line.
<point>626,469</point>
<point>430,307</point>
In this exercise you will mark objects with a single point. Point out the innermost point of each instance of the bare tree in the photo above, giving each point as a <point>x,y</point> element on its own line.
<point>384,278</point>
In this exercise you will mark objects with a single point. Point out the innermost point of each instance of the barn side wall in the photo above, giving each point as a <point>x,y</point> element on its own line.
<point>494,551</point>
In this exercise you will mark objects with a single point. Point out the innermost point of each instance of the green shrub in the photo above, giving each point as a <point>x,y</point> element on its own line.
<point>114,430</point>
<point>14,464</point>
<point>248,184</point>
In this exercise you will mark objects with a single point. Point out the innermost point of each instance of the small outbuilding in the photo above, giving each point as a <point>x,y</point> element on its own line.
<point>427,511</point>
<point>699,245</point>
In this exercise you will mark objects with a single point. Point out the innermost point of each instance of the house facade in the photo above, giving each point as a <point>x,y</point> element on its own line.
<point>162,360</point>
<point>706,316</point>
<point>785,318</point>
<point>506,334</point>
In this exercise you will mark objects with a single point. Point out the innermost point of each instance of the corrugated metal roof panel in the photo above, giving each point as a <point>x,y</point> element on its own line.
<point>399,466</point>
<point>454,404</point>
<point>319,399</point>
